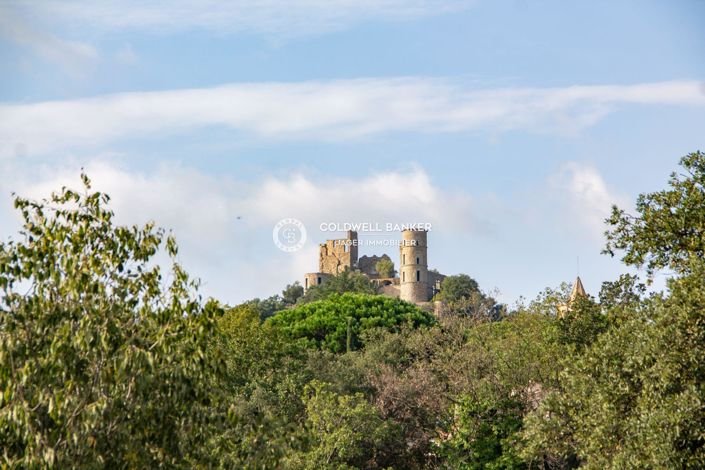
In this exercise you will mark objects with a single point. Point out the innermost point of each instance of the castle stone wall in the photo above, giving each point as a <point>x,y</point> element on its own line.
<point>315,279</point>
<point>368,265</point>
<point>335,256</point>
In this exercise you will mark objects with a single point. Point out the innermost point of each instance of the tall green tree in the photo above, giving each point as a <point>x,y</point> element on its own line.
<point>103,363</point>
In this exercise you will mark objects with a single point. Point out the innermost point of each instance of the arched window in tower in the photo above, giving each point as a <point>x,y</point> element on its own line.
<point>418,260</point>
<point>403,276</point>
<point>418,276</point>
<point>403,258</point>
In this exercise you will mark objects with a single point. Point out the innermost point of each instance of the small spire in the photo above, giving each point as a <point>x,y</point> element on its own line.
<point>578,290</point>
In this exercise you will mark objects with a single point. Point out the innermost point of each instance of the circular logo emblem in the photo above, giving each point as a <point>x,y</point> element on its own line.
<point>289,235</point>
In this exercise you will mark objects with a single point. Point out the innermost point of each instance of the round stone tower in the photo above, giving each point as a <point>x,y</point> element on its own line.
<point>413,266</point>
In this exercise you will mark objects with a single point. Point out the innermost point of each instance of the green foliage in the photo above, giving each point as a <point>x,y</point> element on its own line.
<point>337,321</point>
<point>385,267</point>
<point>635,398</point>
<point>518,353</point>
<point>582,323</point>
<point>345,282</point>
<point>264,379</point>
<point>460,286</point>
<point>267,307</point>
<point>101,365</point>
<point>104,364</point>
<point>483,435</point>
<point>550,300</point>
<point>416,377</point>
<point>292,293</point>
<point>626,291</point>
<point>669,230</point>
<point>461,296</point>
<point>344,431</point>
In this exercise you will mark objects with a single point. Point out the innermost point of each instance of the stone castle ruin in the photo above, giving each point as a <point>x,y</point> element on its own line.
<point>414,283</point>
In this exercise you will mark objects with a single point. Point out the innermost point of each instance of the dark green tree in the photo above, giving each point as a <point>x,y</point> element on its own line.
<point>265,377</point>
<point>633,399</point>
<point>338,320</point>
<point>582,323</point>
<point>344,431</point>
<point>292,293</point>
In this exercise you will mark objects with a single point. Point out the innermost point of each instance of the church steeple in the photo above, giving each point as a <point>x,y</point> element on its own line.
<point>578,290</point>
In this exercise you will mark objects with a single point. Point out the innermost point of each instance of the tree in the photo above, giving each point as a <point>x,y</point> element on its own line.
<point>336,322</point>
<point>385,267</point>
<point>101,365</point>
<point>345,282</point>
<point>461,296</point>
<point>634,397</point>
<point>626,291</point>
<point>669,230</point>
<point>460,286</point>
<point>264,379</point>
<point>344,430</point>
<point>582,323</point>
<point>483,435</point>
<point>292,293</point>
<point>267,307</point>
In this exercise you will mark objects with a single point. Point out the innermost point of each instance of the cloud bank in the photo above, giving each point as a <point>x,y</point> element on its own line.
<point>326,110</point>
<point>279,17</point>
<point>224,226</point>
<point>72,56</point>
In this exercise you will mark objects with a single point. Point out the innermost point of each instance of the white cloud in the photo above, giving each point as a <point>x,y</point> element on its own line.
<point>584,199</point>
<point>278,17</point>
<point>224,226</point>
<point>326,110</point>
<point>73,56</point>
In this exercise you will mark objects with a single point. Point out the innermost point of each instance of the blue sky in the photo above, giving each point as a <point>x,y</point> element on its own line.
<point>510,126</point>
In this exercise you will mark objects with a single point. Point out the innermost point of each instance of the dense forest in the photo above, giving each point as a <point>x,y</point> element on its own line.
<point>109,360</point>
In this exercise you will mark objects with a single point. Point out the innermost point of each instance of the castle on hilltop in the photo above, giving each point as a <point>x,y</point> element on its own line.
<point>415,283</point>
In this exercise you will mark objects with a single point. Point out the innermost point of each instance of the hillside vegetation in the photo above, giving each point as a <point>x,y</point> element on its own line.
<point>107,361</point>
